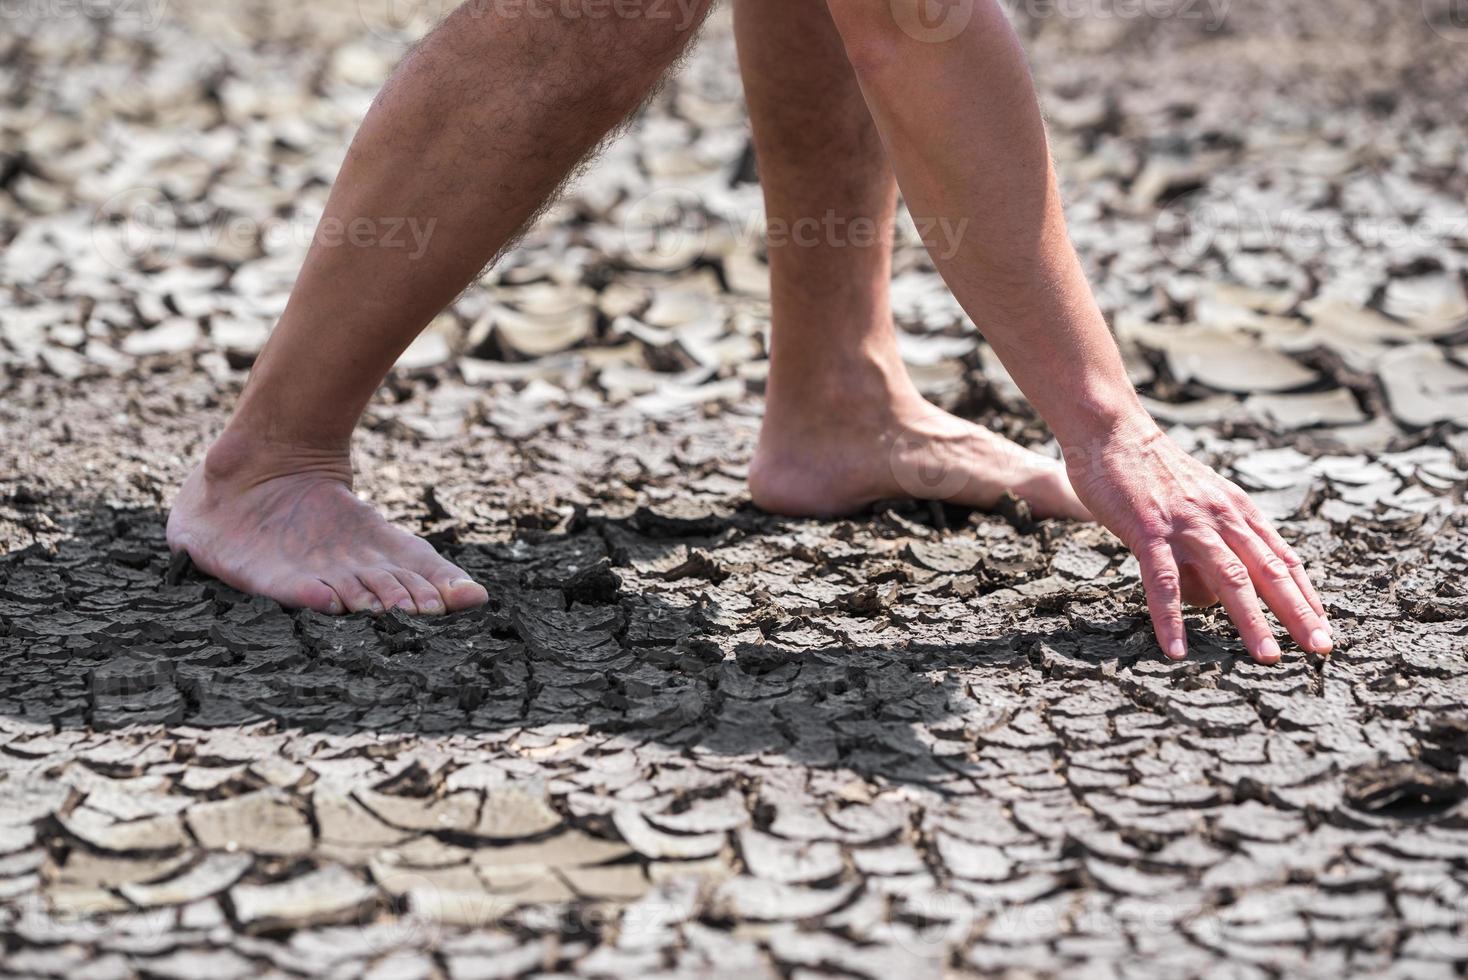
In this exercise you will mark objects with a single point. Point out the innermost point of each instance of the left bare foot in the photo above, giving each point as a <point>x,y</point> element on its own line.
<point>825,457</point>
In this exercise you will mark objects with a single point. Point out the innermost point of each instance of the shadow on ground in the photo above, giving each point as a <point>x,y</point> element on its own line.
<point>107,633</point>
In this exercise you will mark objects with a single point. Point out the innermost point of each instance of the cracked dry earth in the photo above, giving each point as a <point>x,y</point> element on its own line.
<point>686,738</point>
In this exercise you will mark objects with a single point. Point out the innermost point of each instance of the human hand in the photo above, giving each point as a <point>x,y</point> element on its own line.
<point>1198,538</point>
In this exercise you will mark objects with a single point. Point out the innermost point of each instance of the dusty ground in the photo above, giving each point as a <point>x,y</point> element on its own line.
<point>685,737</point>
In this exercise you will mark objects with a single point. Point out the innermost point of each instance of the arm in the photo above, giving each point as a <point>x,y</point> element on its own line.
<point>961,123</point>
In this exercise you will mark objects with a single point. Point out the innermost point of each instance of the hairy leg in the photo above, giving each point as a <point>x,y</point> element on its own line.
<point>473,132</point>
<point>844,425</point>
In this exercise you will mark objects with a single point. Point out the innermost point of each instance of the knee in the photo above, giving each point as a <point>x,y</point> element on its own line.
<point>655,31</point>
<point>597,53</point>
<point>879,34</point>
<point>868,30</point>
<point>644,29</point>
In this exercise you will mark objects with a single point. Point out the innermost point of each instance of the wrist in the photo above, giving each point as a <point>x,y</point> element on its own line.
<point>1107,418</point>
<point>1109,453</point>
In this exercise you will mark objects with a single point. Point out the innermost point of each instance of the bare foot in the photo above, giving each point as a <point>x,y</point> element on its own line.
<point>831,457</point>
<point>285,524</point>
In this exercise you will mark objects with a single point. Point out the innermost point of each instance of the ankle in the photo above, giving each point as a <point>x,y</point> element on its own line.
<point>239,456</point>
<point>839,388</point>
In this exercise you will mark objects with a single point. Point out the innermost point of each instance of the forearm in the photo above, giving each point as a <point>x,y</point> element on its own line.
<point>962,126</point>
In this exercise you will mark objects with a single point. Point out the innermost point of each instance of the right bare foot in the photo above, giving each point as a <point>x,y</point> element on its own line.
<point>284,523</point>
<point>831,446</point>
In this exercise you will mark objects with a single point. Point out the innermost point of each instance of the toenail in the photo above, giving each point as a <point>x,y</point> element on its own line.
<point>459,583</point>
<point>406,605</point>
<point>376,608</point>
<point>432,605</point>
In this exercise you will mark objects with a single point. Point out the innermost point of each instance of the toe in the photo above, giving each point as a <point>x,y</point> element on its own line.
<point>355,595</point>
<point>1051,494</point>
<point>1073,508</point>
<point>457,588</point>
<point>388,589</point>
<point>313,594</point>
<point>1063,499</point>
<point>425,596</point>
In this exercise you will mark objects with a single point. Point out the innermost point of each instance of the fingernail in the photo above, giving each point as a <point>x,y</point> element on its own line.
<point>1178,650</point>
<point>1269,650</point>
<point>1320,641</point>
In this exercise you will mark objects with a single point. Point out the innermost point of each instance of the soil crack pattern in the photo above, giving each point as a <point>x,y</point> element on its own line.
<point>686,738</point>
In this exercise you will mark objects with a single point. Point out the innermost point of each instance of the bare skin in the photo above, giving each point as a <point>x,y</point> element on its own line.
<point>959,119</point>
<point>298,533</point>
<point>270,509</point>
<point>844,425</point>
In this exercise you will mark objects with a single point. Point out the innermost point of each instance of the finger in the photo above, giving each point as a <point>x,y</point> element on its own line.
<point>1278,588</point>
<point>1163,586</point>
<point>1281,547</point>
<point>1229,577</point>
